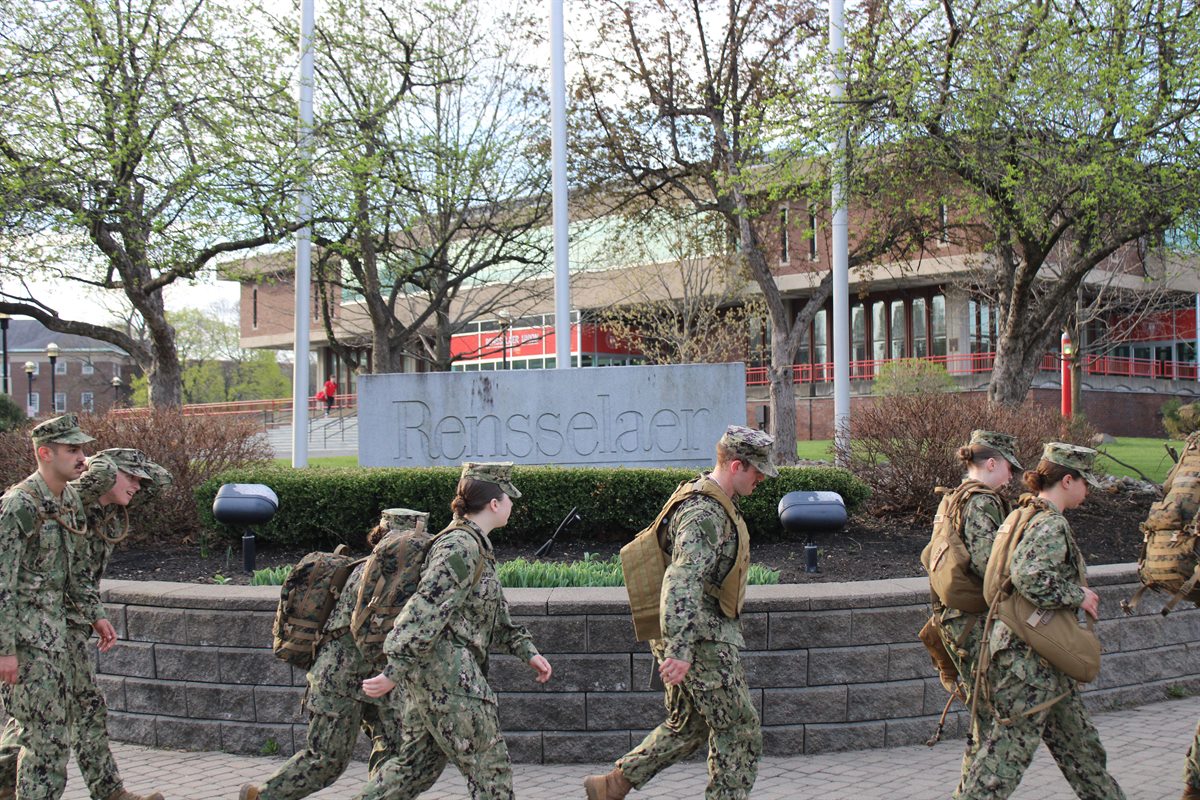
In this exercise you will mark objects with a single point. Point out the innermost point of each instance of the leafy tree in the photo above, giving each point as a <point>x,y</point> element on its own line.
<point>141,140</point>
<point>1067,132</point>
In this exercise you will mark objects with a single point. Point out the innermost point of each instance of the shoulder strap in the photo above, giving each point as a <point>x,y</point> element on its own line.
<point>682,492</point>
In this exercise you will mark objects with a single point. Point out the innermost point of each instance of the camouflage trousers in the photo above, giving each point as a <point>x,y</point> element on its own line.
<point>963,636</point>
<point>712,705</point>
<point>441,729</point>
<point>1191,769</point>
<point>1020,680</point>
<point>40,705</point>
<point>332,731</point>
<point>88,729</point>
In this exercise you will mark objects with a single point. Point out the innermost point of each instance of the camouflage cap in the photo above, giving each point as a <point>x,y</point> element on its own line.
<point>1080,459</point>
<point>751,446</point>
<point>1002,443</point>
<point>402,519</point>
<point>130,461</point>
<point>497,472</point>
<point>60,430</point>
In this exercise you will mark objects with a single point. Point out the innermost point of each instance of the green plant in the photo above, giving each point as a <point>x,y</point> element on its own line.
<point>1177,692</point>
<point>912,376</point>
<point>325,507</point>
<point>270,576</point>
<point>221,579</point>
<point>12,416</point>
<point>204,539</point>
<point>228,557</point>
<point>270,747</point>
<point>590,571</point>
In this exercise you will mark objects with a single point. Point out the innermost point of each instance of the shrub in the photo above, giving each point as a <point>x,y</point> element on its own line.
<point>1180,420</point>
<point>193,449</point>
<point>271,576</point>
<point>12,416</point>
<point>325,507</point>
<point>519,573</point>
<point>903,376</point>
<point>904,446</point>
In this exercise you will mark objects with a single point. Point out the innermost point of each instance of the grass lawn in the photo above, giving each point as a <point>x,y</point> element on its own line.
<point>327,461</point>
<point>815,449</point>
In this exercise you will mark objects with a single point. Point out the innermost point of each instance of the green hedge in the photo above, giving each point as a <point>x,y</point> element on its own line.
<point>324,507</point>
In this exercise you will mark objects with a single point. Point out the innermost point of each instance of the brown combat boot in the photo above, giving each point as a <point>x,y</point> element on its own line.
<point>1190,792</point>
<point>612,786</point>
<point>125,794</point>
<point>249,792</point>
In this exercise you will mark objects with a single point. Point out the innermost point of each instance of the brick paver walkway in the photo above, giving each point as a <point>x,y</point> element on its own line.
<point>1146,747</point>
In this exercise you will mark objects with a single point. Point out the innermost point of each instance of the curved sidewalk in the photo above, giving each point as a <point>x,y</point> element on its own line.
<point>1146,748</point>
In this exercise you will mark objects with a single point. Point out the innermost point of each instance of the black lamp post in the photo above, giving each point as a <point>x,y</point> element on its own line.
<point>504,323</point>
<point>4,318</point>
<point>116,384</point>
<point>29,368</point>
<point>52,354</point>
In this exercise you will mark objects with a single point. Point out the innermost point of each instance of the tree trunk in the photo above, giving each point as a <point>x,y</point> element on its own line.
<point>166,373</point>
<point>783,396</point>
<point>1016,363</point>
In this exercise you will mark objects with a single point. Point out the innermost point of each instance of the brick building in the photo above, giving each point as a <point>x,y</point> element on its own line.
<point>88,374</point>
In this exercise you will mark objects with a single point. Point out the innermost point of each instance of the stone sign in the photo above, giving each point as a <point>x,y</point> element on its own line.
<point>594,416</point>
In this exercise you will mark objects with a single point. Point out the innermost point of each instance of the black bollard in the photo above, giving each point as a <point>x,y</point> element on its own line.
<point>810,558</point>
<point>248,551</point>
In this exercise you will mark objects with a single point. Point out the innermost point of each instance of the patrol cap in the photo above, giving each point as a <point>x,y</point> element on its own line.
<point>751,446</point>
<point>1080,459</point>
<point>60,430</point>
<point>497,472</point>
<point>1002,443</point>
<point>128,460</point>
<point>402,519</point>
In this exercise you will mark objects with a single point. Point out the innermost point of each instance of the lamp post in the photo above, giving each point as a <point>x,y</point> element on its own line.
<point>52,354</point>
<point>4,318</point>
<point>504,323</point>
<point>29,368</point>
<point>1068,352</point>
<point>116,384</point>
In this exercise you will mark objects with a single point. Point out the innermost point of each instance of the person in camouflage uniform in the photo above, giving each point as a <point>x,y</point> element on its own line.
<point>115,479</point>
<point>706,696</point>
<point>438,650</point>
<point>1191,770</point>
<point>989,458</point>
<point>336,704</point>
<point>42,575</point>
<point>1046,569</point>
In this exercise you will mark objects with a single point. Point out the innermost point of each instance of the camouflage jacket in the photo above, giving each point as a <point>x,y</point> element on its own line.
<point>41,567</point>
<point>703,543</point>
<point>1046,566</point>
<point>980,520</point>
<point>340,668</point>
<point>440,642</point>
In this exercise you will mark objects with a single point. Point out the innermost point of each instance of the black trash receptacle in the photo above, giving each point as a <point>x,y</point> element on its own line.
<point>245,504</point>
<point>809,513</point>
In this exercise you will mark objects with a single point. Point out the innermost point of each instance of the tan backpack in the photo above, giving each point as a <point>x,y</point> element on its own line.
<point>1168,561</point>
<point>1054,634</point>
<point>946,558</point>
<point>390,577</point>
<point>644,562</point>
<point>306,599</point>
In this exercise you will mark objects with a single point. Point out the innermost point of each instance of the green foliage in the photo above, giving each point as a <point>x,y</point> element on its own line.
<point>270,747</point>
<point>12,416</point>
<point>1178,419</point>
<point>221,580</point>
<point>902,376</point>
<point>591,571</point>
<point>271,576</point>
<point>325,507</point>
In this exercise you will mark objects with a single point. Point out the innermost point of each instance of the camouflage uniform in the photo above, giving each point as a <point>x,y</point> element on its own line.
<point>712,705</point>
<point>336,704</point>
<point>41,574</point>
<point>1191,769</point>
<point>438,651</point>
<point>106,526</point>
<point>1045,569</point>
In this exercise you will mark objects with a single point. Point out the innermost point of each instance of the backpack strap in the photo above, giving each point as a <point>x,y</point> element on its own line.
<point>365,606</point>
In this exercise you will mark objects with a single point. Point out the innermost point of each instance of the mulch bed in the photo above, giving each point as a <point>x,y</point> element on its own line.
<point>869,548</point>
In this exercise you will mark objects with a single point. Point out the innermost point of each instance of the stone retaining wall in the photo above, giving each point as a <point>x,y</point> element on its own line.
<point>831,666</point>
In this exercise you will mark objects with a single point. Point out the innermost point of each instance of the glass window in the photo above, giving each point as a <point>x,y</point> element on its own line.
<point>879,332</point>
<point>35,403</point>
<point>937,320</point>
<point>60,402</point>
<point>490,325</point>
<point>86,401</point>
<point>820,340</point>
<point>60,367</point>
<point>918,329</point>
<point>87,368</point>
<point>858,333</point>
<point>982,325</point>
<point>898,329</point>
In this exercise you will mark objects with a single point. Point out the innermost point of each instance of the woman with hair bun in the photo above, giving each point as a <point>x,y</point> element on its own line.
<point>971,513</point>
<point>1032,700</point>
<point>439,647</point>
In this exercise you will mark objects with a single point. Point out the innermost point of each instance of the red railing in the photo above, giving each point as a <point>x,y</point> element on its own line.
<point>272,412</point>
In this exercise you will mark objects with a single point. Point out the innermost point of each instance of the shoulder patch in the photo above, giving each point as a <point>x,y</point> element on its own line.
<point>458,566</point>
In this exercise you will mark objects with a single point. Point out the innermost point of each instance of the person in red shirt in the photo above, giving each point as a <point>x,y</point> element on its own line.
<point>330,389</point>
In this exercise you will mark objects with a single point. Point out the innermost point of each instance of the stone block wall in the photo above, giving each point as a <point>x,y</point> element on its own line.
<point>832,666</point>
